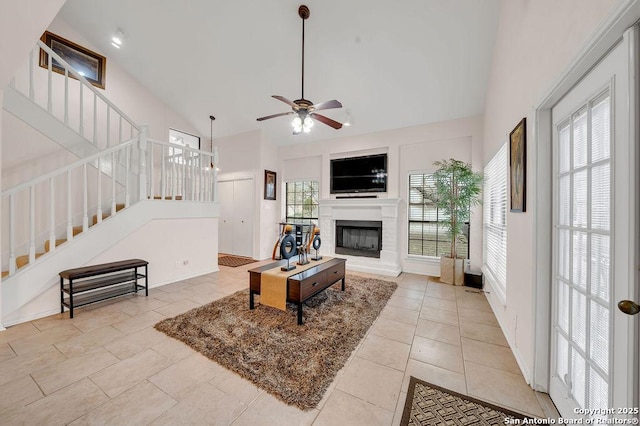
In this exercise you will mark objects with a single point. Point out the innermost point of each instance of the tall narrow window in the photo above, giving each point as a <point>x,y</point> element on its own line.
<point>495,222</point>
<point>302,202</point>
<point>427,234</point>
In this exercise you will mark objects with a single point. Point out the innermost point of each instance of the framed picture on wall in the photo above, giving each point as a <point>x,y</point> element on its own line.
<point>517,166</point>
<point>87,63</point>
<point>269,185</point>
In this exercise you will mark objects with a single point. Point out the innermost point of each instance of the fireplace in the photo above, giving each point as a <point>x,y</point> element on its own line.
<point>359,238</point>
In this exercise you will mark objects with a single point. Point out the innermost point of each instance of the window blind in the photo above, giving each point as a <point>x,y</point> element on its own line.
<point>495,222</point>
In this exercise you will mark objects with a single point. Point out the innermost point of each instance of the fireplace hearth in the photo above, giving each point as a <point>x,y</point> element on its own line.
<point>359,238</point>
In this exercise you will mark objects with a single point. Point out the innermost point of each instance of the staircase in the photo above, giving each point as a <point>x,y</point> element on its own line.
<point>118,168</point>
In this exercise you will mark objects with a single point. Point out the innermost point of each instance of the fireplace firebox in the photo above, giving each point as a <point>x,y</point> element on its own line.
<point>359,238</point>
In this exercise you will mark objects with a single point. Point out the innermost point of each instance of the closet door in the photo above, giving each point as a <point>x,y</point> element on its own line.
<point>236,217</point>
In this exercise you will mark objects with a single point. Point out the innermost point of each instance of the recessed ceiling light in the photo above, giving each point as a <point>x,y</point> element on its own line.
<point>118,38</point>
<point>115,45</point>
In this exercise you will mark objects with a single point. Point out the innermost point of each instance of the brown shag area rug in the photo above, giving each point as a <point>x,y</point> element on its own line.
<point>234,261</point>
<point>429,404</point>
<point>295,363</point>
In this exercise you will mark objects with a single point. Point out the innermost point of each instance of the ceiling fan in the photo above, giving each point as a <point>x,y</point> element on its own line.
<point>303,109</point>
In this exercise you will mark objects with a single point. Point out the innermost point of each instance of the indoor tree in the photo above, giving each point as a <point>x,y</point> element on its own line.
<point>457,189</point>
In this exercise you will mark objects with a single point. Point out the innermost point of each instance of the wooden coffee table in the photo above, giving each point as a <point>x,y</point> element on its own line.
<point>302,286</point>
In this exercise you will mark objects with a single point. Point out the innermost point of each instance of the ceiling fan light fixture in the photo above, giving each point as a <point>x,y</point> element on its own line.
<point>118,38</point>
<point>347,118</point>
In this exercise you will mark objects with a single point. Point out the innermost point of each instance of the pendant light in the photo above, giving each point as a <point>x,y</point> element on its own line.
<point>211,117</point>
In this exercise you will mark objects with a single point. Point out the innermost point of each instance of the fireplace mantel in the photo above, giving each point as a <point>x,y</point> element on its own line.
<point>377,209</point>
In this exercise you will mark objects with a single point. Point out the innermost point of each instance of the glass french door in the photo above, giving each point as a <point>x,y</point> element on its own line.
<point>593,241</point>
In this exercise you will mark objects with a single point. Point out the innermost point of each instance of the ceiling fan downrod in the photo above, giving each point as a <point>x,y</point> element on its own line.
<point>303,12</point>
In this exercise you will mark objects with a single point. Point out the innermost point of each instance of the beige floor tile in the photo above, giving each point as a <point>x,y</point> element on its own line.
<point>127,373</point>
<point>438,331</point>
<point>53,321</point>
<point>18,393</point>
<point>489,355</point>
<point>177,308</point>
<point>413,285</point>
<point>441,304</point>
<point>374,383</point>
<point>185,374</point>
<point>170,296</point>
<point>204,405</point>
<point>138,305</point>
<point>405,302</point>
<point>483,332</point>
<point>439,315</point>
<point>59,408</point>
<point>345,409</point>
<point>266,410</point>
<point>19,366</point>
<point>173,349</point>
<point>437,353</point>
<point>441,291</point>
<point>400,314</point>
<point>44,339</point>
<point>139,405</point>
<point>435,375</point>
<point>385,352</point>
<point>19,331</point>
<point>131,344</point>
<point>506,389</point>
<point>409,293</point>
<point>397,415</point>
<point>88,341</point>
<point>139,322</point>
<point>6,352</point>
<point>71,370</point>
<point>98,319</point>
<point>478,317</point>
<point>393,330</point>
<point>237,387</point>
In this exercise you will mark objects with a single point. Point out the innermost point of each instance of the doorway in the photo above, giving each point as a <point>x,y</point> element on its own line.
<point>592,365</point>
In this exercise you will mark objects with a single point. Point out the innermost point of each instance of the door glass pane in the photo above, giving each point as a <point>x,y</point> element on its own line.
<point>580,259</point>
<point>600,198</point>
<point>580,139</point>
<point>564,240</point>
<point>580,199</point>
<point>562,358</point>
<point>564,202</point>
<point>578,373</point>
<point>600,129</point>
<point>579,319</point>
<point>565,149</point>
<point>598,392</point>
<point>600,266</point>
<point>599,336</point>
<point>563,307</point>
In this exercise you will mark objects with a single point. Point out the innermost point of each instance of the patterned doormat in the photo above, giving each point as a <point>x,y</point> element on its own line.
<point>234,261</point>
<point>428,404</point>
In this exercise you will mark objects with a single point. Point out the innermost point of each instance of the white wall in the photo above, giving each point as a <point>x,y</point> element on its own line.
<point>409,149</point>
<point>536,41</point>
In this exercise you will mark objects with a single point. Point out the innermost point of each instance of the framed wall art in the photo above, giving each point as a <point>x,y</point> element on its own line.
<point>269,185</point>
<point>517,166</point>
<point>87,63</point>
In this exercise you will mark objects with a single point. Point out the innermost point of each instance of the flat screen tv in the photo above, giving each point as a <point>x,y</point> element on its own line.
<point>359,174</point>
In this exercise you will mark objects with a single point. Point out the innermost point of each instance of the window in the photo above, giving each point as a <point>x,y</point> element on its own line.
<point>495,222</point>
<point>427,234</point>
<point>176,155</point>
<point>302,202</point>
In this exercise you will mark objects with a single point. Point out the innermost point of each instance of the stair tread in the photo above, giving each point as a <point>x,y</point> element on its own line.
<point>58,242</point>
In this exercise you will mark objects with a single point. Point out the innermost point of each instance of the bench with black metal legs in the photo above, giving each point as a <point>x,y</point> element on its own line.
<point>95,283</point>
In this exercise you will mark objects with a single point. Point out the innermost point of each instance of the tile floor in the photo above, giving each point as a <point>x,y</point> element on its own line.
<point>109,366</point>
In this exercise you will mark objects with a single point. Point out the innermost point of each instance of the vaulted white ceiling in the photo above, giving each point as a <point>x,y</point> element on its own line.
<point>393,64</point>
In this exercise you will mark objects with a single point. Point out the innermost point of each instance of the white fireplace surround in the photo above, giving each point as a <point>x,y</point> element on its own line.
<point>379,209</point>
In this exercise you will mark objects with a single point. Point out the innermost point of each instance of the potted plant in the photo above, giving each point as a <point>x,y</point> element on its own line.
<point>458,188</point>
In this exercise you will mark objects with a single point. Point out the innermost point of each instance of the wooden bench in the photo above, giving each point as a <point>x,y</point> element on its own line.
<point>95,283</point>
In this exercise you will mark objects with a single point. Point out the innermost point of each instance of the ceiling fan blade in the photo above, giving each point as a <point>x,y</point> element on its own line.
<point>286,101</point>
<point>326,105</point>
<point>274,115</point>
<point>326,120</point>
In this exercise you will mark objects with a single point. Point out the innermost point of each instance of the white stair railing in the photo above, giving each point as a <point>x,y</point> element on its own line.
<point>76,186</point>
<point>180,172</point>
<point>69,97</point>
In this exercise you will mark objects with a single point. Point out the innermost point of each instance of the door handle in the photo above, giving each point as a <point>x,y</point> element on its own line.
<point>629,307</point>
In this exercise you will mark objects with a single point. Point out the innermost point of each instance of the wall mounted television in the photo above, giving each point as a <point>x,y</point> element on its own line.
<point>359,174</point>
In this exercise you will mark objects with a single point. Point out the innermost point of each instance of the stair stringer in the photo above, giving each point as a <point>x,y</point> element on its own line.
<point>39,119</point>
<point>21,289</point>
